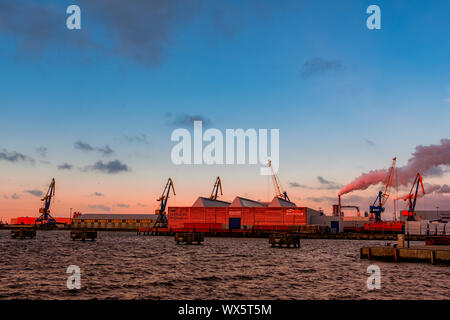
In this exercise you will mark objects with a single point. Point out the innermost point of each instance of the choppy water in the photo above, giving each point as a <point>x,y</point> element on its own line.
<point>127,266</point>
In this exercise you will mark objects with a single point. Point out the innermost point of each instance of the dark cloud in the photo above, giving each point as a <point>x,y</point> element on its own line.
<point>123,205</point>
<point>296,185</point>
<point>328,185</point>
<point>183,119</point>
<point>434,172</point>
<point>100,207</point>
<point>42,151</point>
<point>106,150</point>
<point>13,156</point>
<point>369,142</point>
<point>84,146</point>
<point>35,192</point>
<point>320,66</point>
<point>110,167</point>
<point>98,194</point>
<point>37,26</point>
<point>65,166</point>
<point>444,189</point>
<point>141,30</point>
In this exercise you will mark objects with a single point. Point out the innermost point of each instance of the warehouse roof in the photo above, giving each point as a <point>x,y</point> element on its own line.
<point>206,202</point>
<point>112,216</point>
<point>243,202</point>
<point>279,202</point>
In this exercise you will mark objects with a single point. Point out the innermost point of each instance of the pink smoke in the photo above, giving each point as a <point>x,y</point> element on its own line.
<point>426,159</point>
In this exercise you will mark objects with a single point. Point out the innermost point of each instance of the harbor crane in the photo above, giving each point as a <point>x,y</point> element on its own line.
<point>45,218</point>
<point>378,205</point>
<point>161,219</point>
<point>216,188</point>
<point>412,197</point>
<point>279,192</point>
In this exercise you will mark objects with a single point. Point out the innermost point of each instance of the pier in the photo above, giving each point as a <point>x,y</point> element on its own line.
<point>26,233</point>
<point>189,237</point>
<point>83,235</point>
<point>285,239</point>
<point>431,254</point>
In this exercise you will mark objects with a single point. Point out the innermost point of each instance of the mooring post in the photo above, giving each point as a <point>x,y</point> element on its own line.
<point>408,239</point>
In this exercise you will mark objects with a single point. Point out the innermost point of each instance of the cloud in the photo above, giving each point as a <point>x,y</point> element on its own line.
<point>141,205</point>
<point>444,189</point>
<point>321,199</point>
<point>143,32</point>
<point>84,146</point>
<point>447,100</point>
<point>100,207</point>
<point>140,138</point>
<point>36,27</point>
<point>14,196</point>
<point>14,157</point>
<point>122,205</point>
<point>65,166</point>
<point>42,151</point>
<point>98,194</point>
<point>369,142</point>
<point>183,119</point>
<point>110,167</point>
<point>296,185</point>
<point>326,184</point>
<point>35,192</point>
<point>319,66</point>
<point>106,150</point>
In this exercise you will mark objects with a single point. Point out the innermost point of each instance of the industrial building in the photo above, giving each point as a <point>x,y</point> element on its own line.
<point>240,214</point>
<point>429,215</point>
<point>32,220</point>
<point>113,221</point>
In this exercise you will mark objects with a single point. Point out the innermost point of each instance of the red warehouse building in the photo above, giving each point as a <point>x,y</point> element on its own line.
<point>240,214</point>
<point>30,220</point>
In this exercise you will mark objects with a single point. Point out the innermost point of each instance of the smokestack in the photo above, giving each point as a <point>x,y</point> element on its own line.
<point>426,159</point>
<point>339,205</point>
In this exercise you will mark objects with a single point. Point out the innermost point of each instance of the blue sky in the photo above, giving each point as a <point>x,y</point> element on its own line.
<point>380,93</point>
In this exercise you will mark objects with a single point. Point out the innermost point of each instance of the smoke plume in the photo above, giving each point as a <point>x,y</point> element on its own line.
<point>425,160</point>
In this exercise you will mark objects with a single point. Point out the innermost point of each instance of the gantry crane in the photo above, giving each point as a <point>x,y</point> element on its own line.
<point>377,208</point>
<point>412,198</point>
<point>45,218</point>
<point>161,219</point>
<point>216,188</point>
<point>279,192</point>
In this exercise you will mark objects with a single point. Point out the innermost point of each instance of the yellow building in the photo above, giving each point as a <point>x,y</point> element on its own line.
<point>113,221</point>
